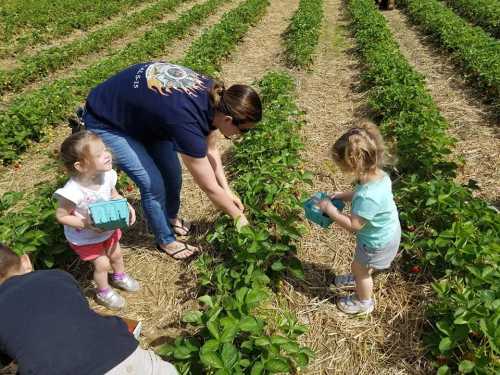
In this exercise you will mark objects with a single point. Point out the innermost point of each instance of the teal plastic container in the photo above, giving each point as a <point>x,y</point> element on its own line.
<point>109,215</point>
<point>314,214</point>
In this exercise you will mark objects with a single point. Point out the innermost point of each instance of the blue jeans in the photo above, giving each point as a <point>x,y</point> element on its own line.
<point>154,167</point>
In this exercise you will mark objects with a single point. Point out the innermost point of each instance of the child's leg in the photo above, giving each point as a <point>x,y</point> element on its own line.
<point>101,268</point>
<point>364,281</point>
<point>115,256</point>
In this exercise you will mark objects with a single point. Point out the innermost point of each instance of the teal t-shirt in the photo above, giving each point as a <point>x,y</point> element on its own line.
<point>374,202</point>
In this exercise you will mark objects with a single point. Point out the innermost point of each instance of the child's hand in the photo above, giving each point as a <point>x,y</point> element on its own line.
<point>131,219</point>
<point>327,207</point>
<point>337,195</point>
<point>88,224</point>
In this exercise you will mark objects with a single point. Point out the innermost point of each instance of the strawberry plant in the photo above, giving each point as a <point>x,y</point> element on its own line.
<point>302,34</point>
<point>484,13</point>
<point>474,49</point>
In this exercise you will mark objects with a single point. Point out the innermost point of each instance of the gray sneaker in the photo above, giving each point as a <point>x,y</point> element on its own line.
<point>345,281</point>
<point>111,300</point>
<point>352,305</point>
<point>128,284</point>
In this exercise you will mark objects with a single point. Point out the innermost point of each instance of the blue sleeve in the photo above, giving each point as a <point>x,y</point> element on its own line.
<point>188,139</point>
<point>365,207</point>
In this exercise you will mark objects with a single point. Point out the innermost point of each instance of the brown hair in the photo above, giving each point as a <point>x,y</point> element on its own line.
<point>9,262</point>
<point>241,102</point>
<point>361,149</point>
<point>77,148</point>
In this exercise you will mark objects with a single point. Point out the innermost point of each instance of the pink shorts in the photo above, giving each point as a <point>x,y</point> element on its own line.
<point>95,250</point>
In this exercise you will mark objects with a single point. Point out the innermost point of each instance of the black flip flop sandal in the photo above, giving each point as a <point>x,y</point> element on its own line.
<point>182,227</point>
<point>175,252</point>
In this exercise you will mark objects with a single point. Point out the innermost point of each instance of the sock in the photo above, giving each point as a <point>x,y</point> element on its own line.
<point>104,291</point>
<point>366,301</point>
<point>118,275</point>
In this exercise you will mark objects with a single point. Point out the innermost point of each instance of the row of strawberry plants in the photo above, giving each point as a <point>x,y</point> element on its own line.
<point>474,49</point>
<point>302,34</point>
<point>452,234</point>
<point>484,13</point>
<point>41,20</point>
<point>49,60</point>
<point>205,54</point>
<point>236,334</point>
<point>28,116</point>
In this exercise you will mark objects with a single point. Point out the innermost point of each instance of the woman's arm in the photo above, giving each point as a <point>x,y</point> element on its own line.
<point>214,157</point>
<point>204,175</point>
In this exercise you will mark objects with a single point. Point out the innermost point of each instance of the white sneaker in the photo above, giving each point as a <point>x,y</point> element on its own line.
<point>127,283</point>
<point>111,300</point>
<point>345,281</point>
<point>353,306</point>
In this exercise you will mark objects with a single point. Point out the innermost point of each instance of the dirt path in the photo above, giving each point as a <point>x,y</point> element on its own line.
<point>387,341</point>
<point>472,123</point>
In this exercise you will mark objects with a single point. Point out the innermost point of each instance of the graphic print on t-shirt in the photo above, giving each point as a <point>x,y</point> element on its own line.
<point>165,77</point>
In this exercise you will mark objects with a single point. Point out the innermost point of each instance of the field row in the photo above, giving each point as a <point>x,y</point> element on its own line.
<point>454,236</point>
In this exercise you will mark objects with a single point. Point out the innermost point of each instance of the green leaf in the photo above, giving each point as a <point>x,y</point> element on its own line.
<point>214,329</point>
<point>211,359</point>
<point>229,332</point>
<point>445,344</point>
<point>249,324</point>
<point>210,346</point>
<point>277,365</point>
<point>302,359</point>
<point>207,300</point>
<point>466,366</point>
<point>229,355</point>
<point>262,341</point>
<point>182,352</point>
<point>295,268</point>
<point>279,340</point>
<point>244,363</point>
<point>278,266</point>
<point>256,296</point>
<point>290,347</point>
<point>443,370</point>
<point>192,317</point>
<point>257,368</point>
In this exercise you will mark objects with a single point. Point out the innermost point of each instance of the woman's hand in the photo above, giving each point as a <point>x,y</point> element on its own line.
<point>236,200</point>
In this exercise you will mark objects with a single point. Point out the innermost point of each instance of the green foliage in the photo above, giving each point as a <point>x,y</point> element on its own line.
<point>205,54</point>
<point>475,50</point>
<point>28,116</point>
<point>301,36</point>
<point>48,60</point>
<point>232,338</point>
<point>29,22</point>
<point>484,13</point>
<point>452,234</point>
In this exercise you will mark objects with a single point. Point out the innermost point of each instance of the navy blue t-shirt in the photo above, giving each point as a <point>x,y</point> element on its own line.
<point>47,327</point>
<point>157,101</point>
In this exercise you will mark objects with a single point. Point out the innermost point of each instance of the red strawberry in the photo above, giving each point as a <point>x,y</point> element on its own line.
<point>130,188</point>
<point>416,269</point>
<point>17,166</point>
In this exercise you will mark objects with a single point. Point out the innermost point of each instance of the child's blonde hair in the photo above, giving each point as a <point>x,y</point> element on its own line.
<point>360,150</point>
<point>76,148</point>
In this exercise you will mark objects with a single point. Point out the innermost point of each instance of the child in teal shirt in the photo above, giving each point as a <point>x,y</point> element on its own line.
<point>374,216</point>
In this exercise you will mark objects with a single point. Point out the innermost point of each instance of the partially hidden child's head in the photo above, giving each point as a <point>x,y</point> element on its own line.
<point>360,150</point>
<point>85,153</point>
<point>12,264</point>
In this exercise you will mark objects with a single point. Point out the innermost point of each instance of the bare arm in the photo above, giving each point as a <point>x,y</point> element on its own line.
<point>350,222</point>
<point>346,196</point>
<point>213,155</point>
<point>204,175</point>
<point>64,215</point>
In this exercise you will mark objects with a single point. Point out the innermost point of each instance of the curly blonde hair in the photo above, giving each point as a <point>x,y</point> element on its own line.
<point>361,150</point>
